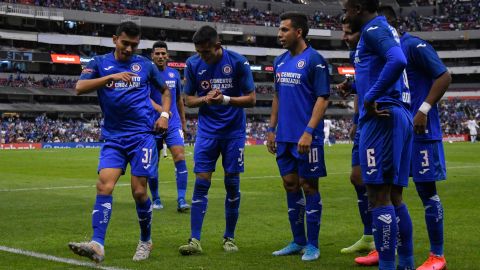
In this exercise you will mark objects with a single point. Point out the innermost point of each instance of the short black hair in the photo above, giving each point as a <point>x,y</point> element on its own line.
<point>390,14</point>
<point>368,5</point>
<point>353,26</point>
<point>299,20</point>
<point>131,29</point>
<point>205,34</point>
<point>159,44</point>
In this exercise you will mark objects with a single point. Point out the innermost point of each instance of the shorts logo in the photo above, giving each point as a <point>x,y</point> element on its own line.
<point>301,64</point>
<point>135,67</point>
<point>424,171</point>
<point>205,85</point>
<point>171,75</point>
<point>314,169</point>
<point>371,171</point>
<point>227,69</point>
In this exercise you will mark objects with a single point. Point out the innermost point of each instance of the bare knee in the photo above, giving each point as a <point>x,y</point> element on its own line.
<point>379,195</point>
<point>291,183</point>
<point>397,195</point>
<point>310,186</point>
<point>105,186</point>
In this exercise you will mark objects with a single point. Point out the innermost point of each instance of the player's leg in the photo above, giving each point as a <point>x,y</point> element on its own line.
<point>288,167</point>
<point>153,181</point>
<point>206,153</point>
<point>143,157</point>
<point>405,230</point>
<point>111,166</point>
<point>175,143</point>
<point>233,165</point>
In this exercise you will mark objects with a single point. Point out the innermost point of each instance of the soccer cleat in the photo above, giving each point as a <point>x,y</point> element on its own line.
<point>365,243</point>
<point>193,247</point>
<point>157,204</point>
<point>434,262</point>
<point>229,245</point>
<point>143,250</point>
<point>292,248</point>
<point>182,205</point>
<point>369,260</point>
<point>311,253</point>
<point>91,250</point>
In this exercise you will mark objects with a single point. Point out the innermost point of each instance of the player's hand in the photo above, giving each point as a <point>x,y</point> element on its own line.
<point>217,97</point>
<point>344,89</point>
<point>371,108</point>
<point>271,145</point>
<point>352,132</point>
<point>420,123</point>
<point>304,143</point>
<point>122,76</point>
<point>161,125</point>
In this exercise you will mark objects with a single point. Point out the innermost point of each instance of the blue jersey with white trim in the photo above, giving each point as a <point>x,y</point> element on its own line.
<point>424,66</point>
<point>232,76</point>
<point>126,107</point>
<point>377,37</point>
<point>299,81</point>
<point>172,79</point>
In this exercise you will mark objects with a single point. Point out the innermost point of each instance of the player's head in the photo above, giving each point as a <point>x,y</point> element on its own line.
<point>126,40</point>
<point>357,11</point>
<point>160,54</point>
<point>351,35</point>
<point>390,14</point>
<point>293,29</point>
<point>207,44</point>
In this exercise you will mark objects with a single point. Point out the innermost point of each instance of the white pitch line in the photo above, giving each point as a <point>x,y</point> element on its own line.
<point>56,259</point>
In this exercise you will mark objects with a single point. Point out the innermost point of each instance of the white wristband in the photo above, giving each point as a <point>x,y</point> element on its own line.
<point>226,100</point>
<point>165,114</point>
<point>425,108</point>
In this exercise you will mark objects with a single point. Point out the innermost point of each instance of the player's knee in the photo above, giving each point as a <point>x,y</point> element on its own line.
<point>378,196</point>
<point>105,187</point>
<point>139,194</point>
<point>207,176</point>
<point>309,186</point>
<point>426,190</point>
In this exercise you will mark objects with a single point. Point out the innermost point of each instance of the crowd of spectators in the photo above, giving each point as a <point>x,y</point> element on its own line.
<point>455,113</point>
<point>20,80</point>
<point>448,14</point>
<point>14,129</point>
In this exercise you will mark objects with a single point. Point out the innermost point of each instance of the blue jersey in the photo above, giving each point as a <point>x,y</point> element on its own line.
<point>299,81</point>
<point>126,107</point>
<point>171,77</point>
<point>377,38</point>
<point>232,75</point>
<point>424,66</point>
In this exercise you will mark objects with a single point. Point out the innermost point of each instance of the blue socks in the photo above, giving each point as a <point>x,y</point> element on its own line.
<point>181,174</point>
<point>232,204</point>
<point>296,212</point>
<point>199,206</point>
<point>153,185</point>
<point>313,209</point>
<point>365,215</point>
<point>144,213</point>
<point>433,215</point>
<point>404,241</point>
<point>385,235</point>
<point>102,211</point>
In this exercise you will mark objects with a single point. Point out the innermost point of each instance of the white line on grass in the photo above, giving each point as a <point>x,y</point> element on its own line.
<point>56,259</point>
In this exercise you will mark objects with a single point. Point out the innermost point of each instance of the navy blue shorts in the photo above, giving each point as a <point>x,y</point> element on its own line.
<point>308,166</point>
<point>207,151</point>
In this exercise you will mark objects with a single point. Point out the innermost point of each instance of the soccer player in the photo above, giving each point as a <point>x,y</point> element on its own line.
<point>327,125</point>
<point>220,83</point>
<point>351,36</point>
<point>295,134</point>
<point>176,126</point>
<point>472,127</point>
<point>386,130</point>
<point>122,81</point>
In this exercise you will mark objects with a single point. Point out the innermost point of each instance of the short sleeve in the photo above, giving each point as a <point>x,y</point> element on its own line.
<point>245,77</point>
<point>426,58</point>
<point>155,76</point>
<point>321,77</point>
<point>90,71</point>
<point>189,88</point>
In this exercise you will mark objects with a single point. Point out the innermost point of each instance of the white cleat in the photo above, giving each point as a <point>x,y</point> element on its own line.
<point>143,250</point>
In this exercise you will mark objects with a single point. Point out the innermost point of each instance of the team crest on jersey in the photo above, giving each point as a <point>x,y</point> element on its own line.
<point>205,85</point>
<point>171,75</point>
<point>301,64</point>
<point>227,69</point>
<point>135,67</point>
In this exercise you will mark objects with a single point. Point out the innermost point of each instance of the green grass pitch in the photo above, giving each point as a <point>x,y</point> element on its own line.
<point>45,220</point>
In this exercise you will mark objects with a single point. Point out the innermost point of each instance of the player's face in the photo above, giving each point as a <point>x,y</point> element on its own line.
<point>160,57</point>
<point>125,46</point>
<point>351,39</point>
<point>288,36</point>
<point>208,51</point>
<point>352,13</point>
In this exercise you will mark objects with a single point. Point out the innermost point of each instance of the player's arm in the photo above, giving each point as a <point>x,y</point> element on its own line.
<point>180,105</point>
<point>271,146</point>
<point>161,125</point>
<point>353,130</point>
<point>156,106</point>
<point>383,43</point>
<point>427,59</point>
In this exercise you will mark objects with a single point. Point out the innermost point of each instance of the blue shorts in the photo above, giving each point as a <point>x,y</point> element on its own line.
<point>428,162</point>
<point>207,151</point>
<point>174,137</point>
<point>308,166</point>
<point>385,148</point>
<point>139,150</point>
<point>355,154</point>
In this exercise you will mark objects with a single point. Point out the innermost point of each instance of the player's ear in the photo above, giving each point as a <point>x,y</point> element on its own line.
<point>114,39</point>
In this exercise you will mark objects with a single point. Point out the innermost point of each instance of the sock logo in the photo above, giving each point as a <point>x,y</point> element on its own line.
<point>94,211</point>
<point>387,218</point>
<point>435,198</point>
<point>234,199</point>
<point>196,201</point>
<point>312,211</point>
<point>107,205</point>
<point>301,202</point>
<point>291,209</point>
